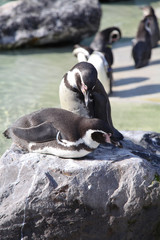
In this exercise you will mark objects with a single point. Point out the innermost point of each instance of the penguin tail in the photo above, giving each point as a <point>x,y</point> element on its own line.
<point>6,134</point>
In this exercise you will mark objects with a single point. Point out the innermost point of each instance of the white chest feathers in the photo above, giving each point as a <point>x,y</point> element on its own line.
<point>100,63</point>
<point>63,149</point>
<point>69,100</point>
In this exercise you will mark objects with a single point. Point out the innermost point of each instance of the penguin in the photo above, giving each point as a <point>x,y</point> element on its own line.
<point>99,53</point>
<point>102,42</point>
<point>81,92</point>
<point>105,38</point>
<point>141,49</point>
<point>148,11</point>
<point>58,132</point>
<point>76,87</point>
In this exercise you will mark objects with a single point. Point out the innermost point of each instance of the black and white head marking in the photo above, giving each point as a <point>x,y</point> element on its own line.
<point>114,36</point>
<point>83,77</point>
<point>92,138</point>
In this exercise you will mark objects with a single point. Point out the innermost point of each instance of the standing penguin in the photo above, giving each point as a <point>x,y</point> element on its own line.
<point>141,50</point>
<point>76,87</point>
<point>81,92</point>
<point>148,11</point>
<point>99,53</point>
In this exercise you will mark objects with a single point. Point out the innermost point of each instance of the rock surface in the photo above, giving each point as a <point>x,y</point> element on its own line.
<point>41,22</point>
<point>111,194</point>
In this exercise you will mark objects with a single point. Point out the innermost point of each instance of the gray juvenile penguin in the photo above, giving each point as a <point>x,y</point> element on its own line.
<point>81,92</point>
<point>58,132</point>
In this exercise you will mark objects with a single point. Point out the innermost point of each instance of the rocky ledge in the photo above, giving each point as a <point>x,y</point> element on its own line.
<point>41,22</point>
<point>112,194</point>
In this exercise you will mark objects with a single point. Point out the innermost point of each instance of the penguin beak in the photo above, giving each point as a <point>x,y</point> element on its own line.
<point>85,94</point>
<point>116,143</point>
<point>107,137</point>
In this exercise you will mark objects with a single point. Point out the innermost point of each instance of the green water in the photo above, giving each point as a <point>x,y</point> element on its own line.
<point>30,78</point>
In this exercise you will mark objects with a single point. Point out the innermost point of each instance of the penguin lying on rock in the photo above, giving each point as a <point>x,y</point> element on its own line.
<point>99,53</point>
<point>149,12</point>
<point>58,132</point>
<point>81,92</point>
<point>141,50</point>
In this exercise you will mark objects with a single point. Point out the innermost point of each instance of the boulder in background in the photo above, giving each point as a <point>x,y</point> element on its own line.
<point>41,22</point>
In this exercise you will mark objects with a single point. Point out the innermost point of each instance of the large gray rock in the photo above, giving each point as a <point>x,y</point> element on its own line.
<point>40,22</point>
<point>112,194</point>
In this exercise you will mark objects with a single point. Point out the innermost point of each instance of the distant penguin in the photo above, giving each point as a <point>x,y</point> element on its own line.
<point>58,132</point>
<point>105,38</point>
<point>81,92</point>
<point>99,53</point>
<point>148,11</point>
<point>102,42</point>
<point>141,50</point>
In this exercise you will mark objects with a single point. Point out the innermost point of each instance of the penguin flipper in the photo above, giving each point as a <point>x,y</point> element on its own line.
<point>41,133</point>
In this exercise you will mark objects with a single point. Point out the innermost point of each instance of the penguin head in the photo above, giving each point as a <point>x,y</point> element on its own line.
<point>94,137</point>
<point>83,77</point>
<point>105,37</point>
<point>112,34</point>
<point>95,131</point>
<point>101,137</point>
<point>147,10</point>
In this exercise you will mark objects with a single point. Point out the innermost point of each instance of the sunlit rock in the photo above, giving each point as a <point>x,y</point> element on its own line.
<point>113,193</point>
<point>41,22</point>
